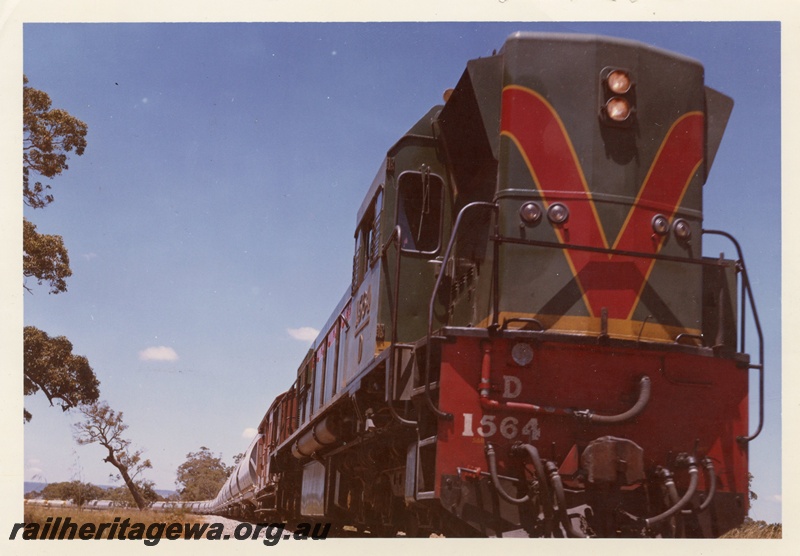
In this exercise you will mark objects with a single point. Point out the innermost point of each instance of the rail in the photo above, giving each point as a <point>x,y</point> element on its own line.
<point>478,204</point>
<point>396,239</point>
<point>747,296</point>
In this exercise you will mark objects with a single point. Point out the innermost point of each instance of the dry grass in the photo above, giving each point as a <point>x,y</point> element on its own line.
<point>755,530</point>
<point>39,515</point>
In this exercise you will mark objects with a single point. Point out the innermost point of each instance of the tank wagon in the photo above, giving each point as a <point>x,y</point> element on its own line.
<point>533,341</point>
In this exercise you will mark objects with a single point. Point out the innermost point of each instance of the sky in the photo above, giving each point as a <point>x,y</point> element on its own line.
<point>210,221</point>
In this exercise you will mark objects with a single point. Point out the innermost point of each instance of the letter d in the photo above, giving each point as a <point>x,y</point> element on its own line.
<point>512,387</point>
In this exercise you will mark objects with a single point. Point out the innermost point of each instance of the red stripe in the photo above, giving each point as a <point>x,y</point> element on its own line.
<point>614,282</point>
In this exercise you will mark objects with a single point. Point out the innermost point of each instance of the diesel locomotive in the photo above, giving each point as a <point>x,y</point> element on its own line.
<point>533,342</point>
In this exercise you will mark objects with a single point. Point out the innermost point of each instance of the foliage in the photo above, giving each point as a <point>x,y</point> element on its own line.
<point>45,258</point>
<point>202,475</point>
<point>752,495</point>
<point>50,366</point>
<point>104,426</point>
<point>48,135</point>
<point>123,497</point>
<point>77,491</point>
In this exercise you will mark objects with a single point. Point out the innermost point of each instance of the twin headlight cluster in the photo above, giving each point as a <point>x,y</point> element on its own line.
<point>531,213</point>
<point>619,104</point>
<point>681,228</point>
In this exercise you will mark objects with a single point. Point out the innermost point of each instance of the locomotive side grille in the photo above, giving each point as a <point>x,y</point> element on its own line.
<point>462,282</point>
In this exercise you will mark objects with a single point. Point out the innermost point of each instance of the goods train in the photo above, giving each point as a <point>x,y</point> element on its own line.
<point>533,343</point>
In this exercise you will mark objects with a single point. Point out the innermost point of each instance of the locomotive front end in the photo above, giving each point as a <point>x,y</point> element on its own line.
<point>590,382</point>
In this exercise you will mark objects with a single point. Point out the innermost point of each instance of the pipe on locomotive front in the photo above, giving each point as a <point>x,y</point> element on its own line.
<point>687,496</point>
<point>521,449</point>
<point>561,500</point>
<point>552,476</point>
<point>492,459</point>
<point>638,407</point>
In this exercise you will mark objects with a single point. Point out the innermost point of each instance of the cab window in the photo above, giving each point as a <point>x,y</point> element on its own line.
<point>367,240</point>
<point>419,211</point>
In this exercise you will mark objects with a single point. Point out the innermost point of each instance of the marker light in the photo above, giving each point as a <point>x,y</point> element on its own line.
<point>530,213</point>
<point>660,224</point>
<point>682,229</point>
<point>619,82</point>
<point>618,109</point>
<point>522,354</point>
<point>558,213</point>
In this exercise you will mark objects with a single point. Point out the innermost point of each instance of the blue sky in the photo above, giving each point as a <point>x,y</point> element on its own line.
<point>211,218</point>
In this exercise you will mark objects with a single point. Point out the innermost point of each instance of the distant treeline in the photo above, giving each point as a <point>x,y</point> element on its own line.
<point>80,492</point>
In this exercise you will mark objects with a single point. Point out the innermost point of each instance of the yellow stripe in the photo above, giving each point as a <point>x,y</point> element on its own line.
<point>650,172</point>
<point>541,189</point>
<point>572,151</point>
<point>617,328</point>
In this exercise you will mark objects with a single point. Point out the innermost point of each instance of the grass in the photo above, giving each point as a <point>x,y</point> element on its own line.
<point>39,515</point>
<point>755,530</point>
<point>79,517</point>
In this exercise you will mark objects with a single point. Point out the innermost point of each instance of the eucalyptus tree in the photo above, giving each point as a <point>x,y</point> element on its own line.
<point>104,426</point>
<point>50,135</point>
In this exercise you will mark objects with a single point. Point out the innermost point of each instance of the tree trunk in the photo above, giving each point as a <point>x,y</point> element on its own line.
<point>123,470</point>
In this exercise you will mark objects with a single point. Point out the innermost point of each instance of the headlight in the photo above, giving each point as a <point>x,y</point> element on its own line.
<point>530,213</point>
<point>558,213</point>
<point>682,229</point>
<point>660,224</point>
<point>618,109</point>
<point>619,82</point>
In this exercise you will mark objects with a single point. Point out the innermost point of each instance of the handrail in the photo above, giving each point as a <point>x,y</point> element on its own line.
<point>395,238</point>
<point>604,250</point>
<point>747,291</point>
<point>438,412</point>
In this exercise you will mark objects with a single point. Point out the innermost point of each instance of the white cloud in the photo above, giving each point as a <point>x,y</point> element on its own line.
<point>34,474</point>
<point>776,498</point>
<point>158,353</point>
<point>304,333</point>
<point>249,433</point>
<point>33,470</point>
